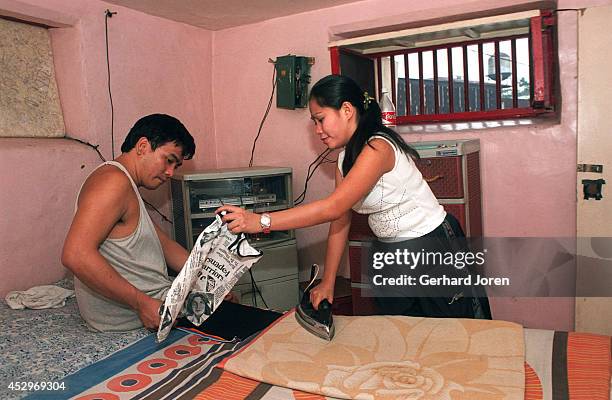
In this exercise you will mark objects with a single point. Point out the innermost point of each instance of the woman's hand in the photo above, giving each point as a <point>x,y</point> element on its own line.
<point>324,290</point>
<point>240,220</point>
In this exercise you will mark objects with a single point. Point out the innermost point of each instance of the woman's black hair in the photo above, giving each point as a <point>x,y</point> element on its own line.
<point>332,91</point>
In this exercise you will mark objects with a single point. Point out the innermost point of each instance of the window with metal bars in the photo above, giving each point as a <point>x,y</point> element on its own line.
<point>489,69</point>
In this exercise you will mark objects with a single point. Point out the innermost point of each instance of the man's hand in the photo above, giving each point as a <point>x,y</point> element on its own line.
<point>148,311</point>
<point>232,297</point>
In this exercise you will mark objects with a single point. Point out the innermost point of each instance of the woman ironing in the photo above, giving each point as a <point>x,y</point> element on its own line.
<point>376,175</point>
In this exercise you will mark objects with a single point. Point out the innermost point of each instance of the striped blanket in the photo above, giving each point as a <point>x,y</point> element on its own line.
<point>558,365</point>
<point>562,365</point>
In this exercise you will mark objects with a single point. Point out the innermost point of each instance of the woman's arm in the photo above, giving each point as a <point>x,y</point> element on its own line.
<point>371,164</point>
<point>336,244</point>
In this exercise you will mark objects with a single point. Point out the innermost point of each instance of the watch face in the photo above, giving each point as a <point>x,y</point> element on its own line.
<point>265,220</point>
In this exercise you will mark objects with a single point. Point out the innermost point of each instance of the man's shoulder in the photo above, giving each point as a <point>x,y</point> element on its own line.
<point>107,179</point>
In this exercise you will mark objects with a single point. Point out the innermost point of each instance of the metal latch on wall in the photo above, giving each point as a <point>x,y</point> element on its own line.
<point>598,168</point>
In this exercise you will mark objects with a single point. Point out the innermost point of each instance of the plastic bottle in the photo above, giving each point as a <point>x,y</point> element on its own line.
<point>387,108</point>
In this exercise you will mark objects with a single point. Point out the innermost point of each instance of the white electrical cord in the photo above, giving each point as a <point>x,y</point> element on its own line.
<point>314,278</point>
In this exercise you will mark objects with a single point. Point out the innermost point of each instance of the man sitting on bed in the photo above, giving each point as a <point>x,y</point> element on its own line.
<point>118,255</point>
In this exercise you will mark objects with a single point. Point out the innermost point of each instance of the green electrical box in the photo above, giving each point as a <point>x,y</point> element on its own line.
<point>292,79</point>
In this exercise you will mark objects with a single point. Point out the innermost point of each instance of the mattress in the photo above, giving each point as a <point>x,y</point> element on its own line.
<point>55,346</point>
<point>46,345</point>
<point>187,366</point>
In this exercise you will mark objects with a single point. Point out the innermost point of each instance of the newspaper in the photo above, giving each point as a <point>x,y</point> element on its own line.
<point>218,259</point>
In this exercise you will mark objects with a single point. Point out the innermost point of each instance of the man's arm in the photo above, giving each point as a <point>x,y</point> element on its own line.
<point>102,205</point>
<point>174,253</point>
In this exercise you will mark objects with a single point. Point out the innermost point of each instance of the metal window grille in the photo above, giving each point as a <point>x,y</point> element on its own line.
<point>494,78</point>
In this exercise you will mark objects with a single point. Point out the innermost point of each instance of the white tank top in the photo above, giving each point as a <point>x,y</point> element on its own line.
<point>401,205</point>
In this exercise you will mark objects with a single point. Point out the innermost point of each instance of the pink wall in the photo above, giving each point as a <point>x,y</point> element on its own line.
<point>528,172</point>
<point>162,66</point>
<point>157,66</point>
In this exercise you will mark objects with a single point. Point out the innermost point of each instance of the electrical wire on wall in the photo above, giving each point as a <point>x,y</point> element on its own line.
<point>93,146</point>
<point>157,211</point>
<point>322,158</point>
<point>255,291</point>
<point>582,10</point>
<point>265,114</point>
<point>96,148</point>
<point>109,14</point>
<point>254,287</point>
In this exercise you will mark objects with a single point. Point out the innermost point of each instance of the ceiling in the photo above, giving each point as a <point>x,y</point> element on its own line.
<point>222,14</point>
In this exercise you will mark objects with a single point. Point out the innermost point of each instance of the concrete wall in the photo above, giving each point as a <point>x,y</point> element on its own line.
<point>528,172</point>
<point>156,66</point>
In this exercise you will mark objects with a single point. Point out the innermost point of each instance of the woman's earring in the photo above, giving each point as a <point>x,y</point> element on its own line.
<point>366,100</point>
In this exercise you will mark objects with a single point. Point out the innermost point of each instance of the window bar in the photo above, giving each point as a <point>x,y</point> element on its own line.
<point>407,83</point>
<point>379,68</point>
<point>529,44</point>
<point>392,65</point>
<point>497,76</point>
<point>421,89</point>
<point>451,102</point>
<point>451,107</point>
<point>481,77</point>
<point>514,77</point>
<point>435,83</point>
<point>536,51</point>
<point>466,81</point>
<point>335,60</point>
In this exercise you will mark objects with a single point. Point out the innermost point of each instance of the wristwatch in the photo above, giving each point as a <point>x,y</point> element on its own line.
<point>265,221</point>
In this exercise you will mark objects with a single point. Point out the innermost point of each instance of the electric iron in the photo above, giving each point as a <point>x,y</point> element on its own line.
<point>318,322</point>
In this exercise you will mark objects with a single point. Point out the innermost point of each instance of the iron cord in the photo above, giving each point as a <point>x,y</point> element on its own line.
<point>321,159</point>
<point>313,277</point>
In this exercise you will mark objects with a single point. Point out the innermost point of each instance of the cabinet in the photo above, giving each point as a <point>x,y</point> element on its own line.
<point>196,195</point>
<point>452,169</point>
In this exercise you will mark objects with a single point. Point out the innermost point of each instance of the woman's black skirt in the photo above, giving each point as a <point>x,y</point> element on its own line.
<point>433,301</point>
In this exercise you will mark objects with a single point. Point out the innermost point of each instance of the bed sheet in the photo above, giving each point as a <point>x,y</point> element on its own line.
<point>558,365</point>
<point>46,345</point>
<point>56,346</point>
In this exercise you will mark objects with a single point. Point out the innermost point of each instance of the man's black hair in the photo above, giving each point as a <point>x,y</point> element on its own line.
<point>160,129</point>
